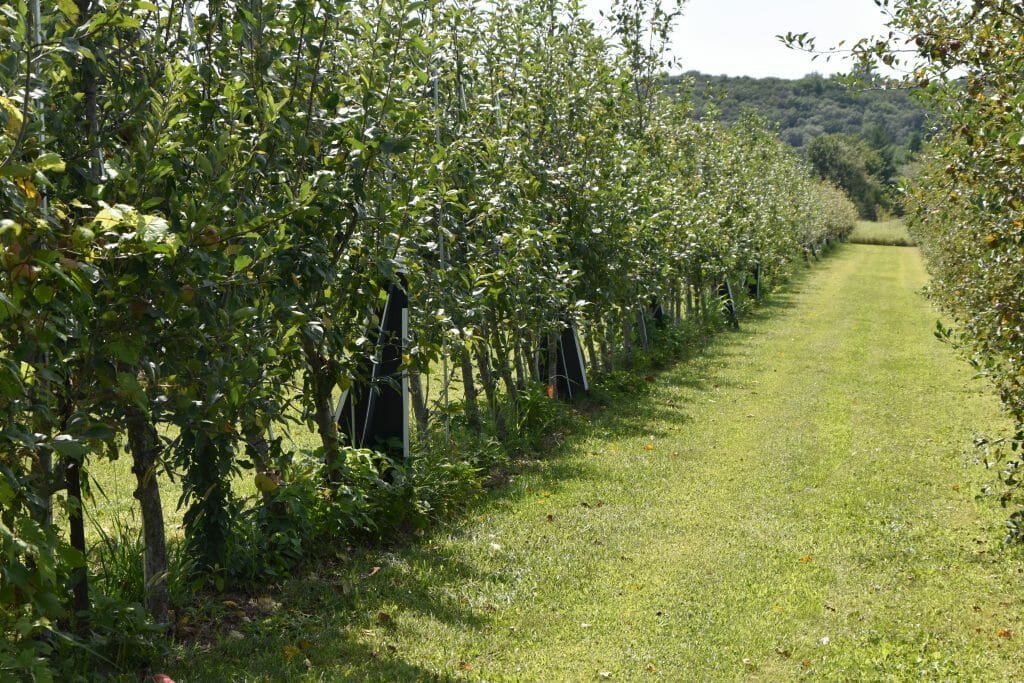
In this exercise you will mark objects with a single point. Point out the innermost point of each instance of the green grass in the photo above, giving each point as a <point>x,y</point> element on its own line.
<point>796,502</point>
<point>891,233</point>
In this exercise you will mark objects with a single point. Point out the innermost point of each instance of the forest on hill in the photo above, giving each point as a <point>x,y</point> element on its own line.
<point>810,107</point>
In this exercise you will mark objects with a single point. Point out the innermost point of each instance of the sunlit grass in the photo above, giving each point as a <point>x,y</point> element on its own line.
<point>891,233</point>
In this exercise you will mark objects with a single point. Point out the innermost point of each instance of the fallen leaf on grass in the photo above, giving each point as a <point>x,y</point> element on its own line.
<point>649,447</point>
<point>806,559</point>
<point>1004,633</point>
<point>465,666</point>
<point>371,573</point>
<point>162,678</point>
<point>806,664</point>
<point>783,652</point>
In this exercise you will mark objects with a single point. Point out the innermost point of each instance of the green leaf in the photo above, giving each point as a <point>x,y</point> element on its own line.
<point>6,493</point>
<point>48,604</point>
<point>124,352</point>
<point>66,445</point>
<point>69,8</point>
<point>43,293</point>
<point>243,313</point>
<point>16,171</point>
<point>49,162</point>
<point>242,262</point>
<point>10,381</point>
<point>154,228</point>
<point>109,217</point>
<point>129,384</point>
<point>72,557</point>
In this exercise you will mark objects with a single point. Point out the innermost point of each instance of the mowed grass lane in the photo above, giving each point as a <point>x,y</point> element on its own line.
<point>795,502</point>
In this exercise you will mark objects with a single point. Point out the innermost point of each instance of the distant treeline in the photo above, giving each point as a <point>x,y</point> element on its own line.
<point>810,107</point>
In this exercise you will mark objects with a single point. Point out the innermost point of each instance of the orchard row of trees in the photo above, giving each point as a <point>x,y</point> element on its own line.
<point>965,60</point>
<point>200,205</point>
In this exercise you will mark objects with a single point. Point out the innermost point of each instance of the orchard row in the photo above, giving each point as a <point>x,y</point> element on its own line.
<point>201,205</point>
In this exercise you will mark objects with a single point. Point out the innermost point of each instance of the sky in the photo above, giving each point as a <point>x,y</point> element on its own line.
<point>737,37</point>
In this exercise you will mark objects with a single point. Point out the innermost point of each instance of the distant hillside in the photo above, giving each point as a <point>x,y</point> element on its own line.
<point>812,106</point>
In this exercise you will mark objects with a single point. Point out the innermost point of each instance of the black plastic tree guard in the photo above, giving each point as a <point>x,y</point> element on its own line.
<point>754,283</point>
<point>570,369</point>
<point>728,304</point>
<point>374,410</point>
<point>655,310</point>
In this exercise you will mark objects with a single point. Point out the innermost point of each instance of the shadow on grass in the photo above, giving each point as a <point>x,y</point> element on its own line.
<point>342,619</point>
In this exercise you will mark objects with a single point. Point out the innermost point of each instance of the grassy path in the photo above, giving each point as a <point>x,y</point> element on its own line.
<point>793,503</point>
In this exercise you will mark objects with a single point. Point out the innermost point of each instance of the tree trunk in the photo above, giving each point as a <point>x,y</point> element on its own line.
<point>144,444</point>
<point>689,302</point>
<point>552,369</point>
<point>483,361</point>
<point>504,371</point>
<point>42,472</point>
<point>518,353</point>
<point>87,72</point>
<point>419,407</point>
<point>257,447</point>
<point>533,361</point>
<point>702,308</point>
<point>606,342</point>
<point>641,326</point>
<point>469,392</point>
<point>627,340</point>
<point>592,349</point>
<point>76,528</point>
<point>323,410</point>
